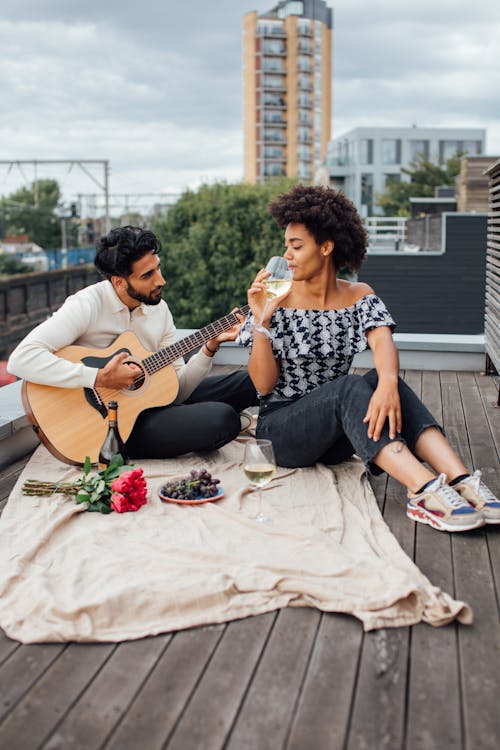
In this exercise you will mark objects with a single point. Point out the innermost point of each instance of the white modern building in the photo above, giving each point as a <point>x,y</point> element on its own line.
<point>362,161</point>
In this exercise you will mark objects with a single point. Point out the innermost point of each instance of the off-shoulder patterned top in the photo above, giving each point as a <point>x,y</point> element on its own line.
<point>314,346</point>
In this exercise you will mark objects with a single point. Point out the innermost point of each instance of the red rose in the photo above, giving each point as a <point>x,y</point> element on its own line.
<point>122,483</point>
<point>119,503</point>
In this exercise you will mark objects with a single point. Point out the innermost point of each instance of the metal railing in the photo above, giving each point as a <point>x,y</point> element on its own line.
<point>385,233</point>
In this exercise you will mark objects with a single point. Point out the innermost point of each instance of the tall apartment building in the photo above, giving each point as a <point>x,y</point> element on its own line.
<point>363,160</point>
<point>287,79</point>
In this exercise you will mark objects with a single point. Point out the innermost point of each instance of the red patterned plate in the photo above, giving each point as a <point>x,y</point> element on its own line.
<point>198,500</point>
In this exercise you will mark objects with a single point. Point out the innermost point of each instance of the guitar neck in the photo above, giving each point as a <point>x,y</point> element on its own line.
<point>166,356</point>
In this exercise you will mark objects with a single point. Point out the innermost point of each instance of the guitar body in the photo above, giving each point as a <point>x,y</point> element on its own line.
<point>73,422</point>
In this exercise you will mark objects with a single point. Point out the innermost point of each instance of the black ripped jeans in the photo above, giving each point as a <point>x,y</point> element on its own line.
<point>327,425</point>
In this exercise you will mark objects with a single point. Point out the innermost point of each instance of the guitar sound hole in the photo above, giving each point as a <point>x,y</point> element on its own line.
<point>138,383</point>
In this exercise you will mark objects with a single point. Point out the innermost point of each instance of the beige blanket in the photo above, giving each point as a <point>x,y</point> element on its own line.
<point>69,575</point>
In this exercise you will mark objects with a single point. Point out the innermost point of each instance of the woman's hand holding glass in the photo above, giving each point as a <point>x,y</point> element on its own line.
<point>269,288</point>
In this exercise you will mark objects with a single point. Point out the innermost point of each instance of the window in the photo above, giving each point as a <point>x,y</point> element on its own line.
<point>273,152</point>
<point>292,8</point>
<point>447,149</point>
<point>273,134</point>
<point>304,170</point>
<point>273,116</point>
<point>304,152</point>
<point>472,147</point>
<point>366,151</point>
<point>270,28</point>
<point>304,82</point>
<point>418,149</point>
<point>273,170</point>
<point>273,47</point>
<point>367,193</point>
<point>273,100</point>
<point>273,65</point>
<point>304,27</point>
<point>274,82</point>
<point>391,151</point>
<point>304,64</point>
<point>392,179</point>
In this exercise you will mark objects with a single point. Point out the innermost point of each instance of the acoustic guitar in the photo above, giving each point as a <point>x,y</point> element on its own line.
<point>72,422</point>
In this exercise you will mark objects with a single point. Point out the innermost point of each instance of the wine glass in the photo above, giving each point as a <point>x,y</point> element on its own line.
<point>277,283</point>
<point>259,466</point>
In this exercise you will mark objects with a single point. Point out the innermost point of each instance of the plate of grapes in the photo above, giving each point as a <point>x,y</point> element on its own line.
<point>198,487</point>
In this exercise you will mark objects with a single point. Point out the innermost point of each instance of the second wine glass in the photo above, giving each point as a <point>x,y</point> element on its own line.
<point>259,466</point>
<point>277,283</point>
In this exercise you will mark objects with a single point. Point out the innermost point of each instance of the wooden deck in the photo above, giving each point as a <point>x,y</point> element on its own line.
<point>296,678</point>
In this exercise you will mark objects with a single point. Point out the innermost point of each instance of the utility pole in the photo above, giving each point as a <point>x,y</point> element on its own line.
<point>104,185</point>
<point>64,243</point>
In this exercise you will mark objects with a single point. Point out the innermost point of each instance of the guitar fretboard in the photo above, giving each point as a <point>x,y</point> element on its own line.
<point>166,356</point>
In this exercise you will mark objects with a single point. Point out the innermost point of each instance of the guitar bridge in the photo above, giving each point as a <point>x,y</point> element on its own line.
<point>95,401</point>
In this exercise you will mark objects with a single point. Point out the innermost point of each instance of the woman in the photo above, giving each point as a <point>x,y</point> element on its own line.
<point>310,407</point>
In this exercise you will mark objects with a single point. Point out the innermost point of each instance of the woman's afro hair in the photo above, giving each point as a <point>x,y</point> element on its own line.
<point>328,215</point>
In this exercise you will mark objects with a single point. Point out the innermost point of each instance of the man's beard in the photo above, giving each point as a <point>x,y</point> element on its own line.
<point>145,299</point>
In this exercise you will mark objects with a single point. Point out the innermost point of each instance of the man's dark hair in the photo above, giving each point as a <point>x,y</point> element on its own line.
<point>118,250</point>
<point>328,215</point>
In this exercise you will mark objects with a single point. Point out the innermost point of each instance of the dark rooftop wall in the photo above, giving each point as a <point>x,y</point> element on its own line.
<point>436,293</point>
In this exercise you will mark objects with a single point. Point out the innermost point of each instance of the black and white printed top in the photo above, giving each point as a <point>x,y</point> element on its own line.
<point>314,346</point>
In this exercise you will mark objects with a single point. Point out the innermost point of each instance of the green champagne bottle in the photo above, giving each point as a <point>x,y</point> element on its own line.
<point>113,443</point>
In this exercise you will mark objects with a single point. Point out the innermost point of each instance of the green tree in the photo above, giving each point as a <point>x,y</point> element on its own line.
<point>10,265</point>
<point>214,241</point>
<point>424,178</point>
<point>32,211</point>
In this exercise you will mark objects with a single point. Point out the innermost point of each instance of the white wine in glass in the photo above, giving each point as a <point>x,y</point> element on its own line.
<point>277,283</point>
<point>259,466</point>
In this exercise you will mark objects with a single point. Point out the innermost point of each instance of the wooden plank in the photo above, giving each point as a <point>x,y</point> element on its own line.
<point>8,478</point>
<point>478,645</point>
<point>321,720</point>
<point>54,692</point>
<point>159,704</point>
<point>7,647</point>
<point>106,698</point>
<point>431,394</point>
<point>18,673</point>
<point>488,391</point>
<point>268,708</point>
<point>433,652</point>
<point>434,657</point>
<point>379,706</point>
<point>213,708</point>
<point>485,458</point>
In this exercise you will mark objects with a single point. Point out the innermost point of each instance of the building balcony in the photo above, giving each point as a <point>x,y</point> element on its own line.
<point>273,106</point>
<point>272,139</point>
<point>272,87</point>
<point>271,33</point>
<point>273,52</point>
<point>281,159</point>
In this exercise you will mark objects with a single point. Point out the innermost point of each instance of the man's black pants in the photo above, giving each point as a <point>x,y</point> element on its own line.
<point>207,420</point>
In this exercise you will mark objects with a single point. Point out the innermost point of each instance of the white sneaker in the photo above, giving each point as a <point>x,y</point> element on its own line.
<point>442,508</point>
<point>474,490</point>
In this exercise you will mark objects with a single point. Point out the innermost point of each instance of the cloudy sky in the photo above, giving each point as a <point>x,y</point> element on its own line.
<point>155,86</point>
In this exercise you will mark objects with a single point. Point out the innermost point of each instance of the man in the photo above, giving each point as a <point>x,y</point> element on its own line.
<point>204,416</point>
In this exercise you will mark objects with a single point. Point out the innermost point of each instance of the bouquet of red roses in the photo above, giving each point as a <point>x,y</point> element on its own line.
<point>119,487</point>
<point>129,491</point>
